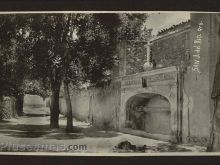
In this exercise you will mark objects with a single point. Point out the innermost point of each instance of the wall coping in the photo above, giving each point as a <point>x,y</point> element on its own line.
<point>170,34</point>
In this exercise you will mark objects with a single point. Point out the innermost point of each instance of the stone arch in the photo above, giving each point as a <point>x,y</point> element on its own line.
<point>149,112</point>
<point>169,93</point>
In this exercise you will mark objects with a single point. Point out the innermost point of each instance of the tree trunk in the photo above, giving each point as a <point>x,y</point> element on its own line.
<point>1,100</point>
<point>54,106</point>
<point>14,107</point>
<point>69,124</point>
<point>1,106</point>
<point>19,104</point>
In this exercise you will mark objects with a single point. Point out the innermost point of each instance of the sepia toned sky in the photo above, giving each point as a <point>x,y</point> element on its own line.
<point>159,21</point>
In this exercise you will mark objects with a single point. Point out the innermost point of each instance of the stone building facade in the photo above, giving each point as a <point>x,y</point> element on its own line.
<point>171,101</point>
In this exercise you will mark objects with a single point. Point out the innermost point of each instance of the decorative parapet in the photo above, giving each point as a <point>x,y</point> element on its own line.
<point>149,78</point>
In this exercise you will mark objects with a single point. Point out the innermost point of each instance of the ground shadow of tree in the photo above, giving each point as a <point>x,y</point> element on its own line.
<point>23,131</point>
<point>35,115</point>
<point>44,131</point>
<point>5,121</point>
<point>79,132</point>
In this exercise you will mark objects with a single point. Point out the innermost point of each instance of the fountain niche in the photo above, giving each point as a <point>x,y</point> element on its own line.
<point>148,112</point>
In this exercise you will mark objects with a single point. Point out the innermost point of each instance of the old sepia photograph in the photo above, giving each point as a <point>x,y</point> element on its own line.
<point>109,83</point>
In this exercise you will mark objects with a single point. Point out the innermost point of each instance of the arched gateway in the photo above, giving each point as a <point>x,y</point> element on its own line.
<point>149,104</point>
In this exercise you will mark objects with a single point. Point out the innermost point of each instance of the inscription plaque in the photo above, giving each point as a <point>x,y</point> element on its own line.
<point>144,81</point>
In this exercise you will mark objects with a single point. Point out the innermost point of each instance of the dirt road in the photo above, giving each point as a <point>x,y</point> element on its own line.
<point>32,131</point>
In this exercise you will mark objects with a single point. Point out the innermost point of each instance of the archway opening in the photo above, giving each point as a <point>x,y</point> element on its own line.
<point>149,112</point>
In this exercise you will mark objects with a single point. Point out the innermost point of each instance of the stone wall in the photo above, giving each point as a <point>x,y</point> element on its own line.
<point>196,116</point>
<point>98,106</point>
<point>80,104</point>
<point>198,81</point>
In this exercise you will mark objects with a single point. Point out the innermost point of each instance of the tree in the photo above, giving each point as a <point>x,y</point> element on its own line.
<point>14,58</point>
<point>68,48</point>
<point>131,29</point>
<point>74,48</point>
<point>46,33</point>
<point>36,87</point>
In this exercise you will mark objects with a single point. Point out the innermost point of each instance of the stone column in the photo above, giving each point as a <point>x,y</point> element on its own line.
<point>148,53</point>
<point>148,65</point>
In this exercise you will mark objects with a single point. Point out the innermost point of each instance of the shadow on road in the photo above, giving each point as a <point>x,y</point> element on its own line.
<point>4,121</point>
<point>37,131</point>
<point>36,115</point>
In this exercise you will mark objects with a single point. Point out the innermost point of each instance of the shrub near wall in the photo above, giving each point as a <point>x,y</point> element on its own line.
<point>6,108</point>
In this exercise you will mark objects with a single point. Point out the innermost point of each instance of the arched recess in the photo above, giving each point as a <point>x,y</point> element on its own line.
<point>149,112</point>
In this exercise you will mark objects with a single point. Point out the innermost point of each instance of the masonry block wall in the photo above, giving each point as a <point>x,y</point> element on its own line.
<point>196,89</point>
<point>198,80</point>
<point>171,50</point>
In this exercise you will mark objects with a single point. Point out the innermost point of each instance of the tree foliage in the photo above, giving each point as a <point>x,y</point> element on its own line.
<point>14,53</point>
<point>14,58</point>
<point>39,51</point>
<point>36,87</point>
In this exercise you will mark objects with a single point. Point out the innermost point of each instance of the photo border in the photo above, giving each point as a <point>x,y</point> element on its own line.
<point>109,5</point>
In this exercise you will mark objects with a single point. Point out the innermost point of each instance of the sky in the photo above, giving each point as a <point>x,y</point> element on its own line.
<point>159,21</point>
